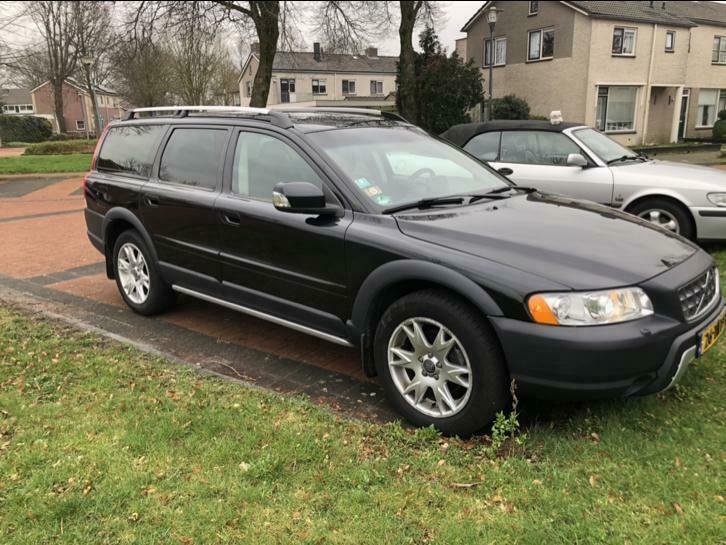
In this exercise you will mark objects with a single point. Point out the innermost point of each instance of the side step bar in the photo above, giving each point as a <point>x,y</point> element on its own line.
<point>264,316</point>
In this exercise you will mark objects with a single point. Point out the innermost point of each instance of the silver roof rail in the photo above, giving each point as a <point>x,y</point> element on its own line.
<point>278,118</point>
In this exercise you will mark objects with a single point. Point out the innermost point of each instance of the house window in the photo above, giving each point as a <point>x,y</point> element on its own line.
<point>624,41</point>
<point>319,87</point>
<point>248,91</point>
<point>541,44</point>
<point>719,50</point>
<point>376,87</point>
<point>533,8</point>
<point>348,87</point>
<point>708,102</point>
<point>616,108</point>
<point>500,52</point>
<point>80,125</point>
<point>670,44</point>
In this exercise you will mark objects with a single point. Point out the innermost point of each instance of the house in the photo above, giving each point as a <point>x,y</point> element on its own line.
<point>16,102</point>
<point>643,72</point>
<point>318,78</point>
<point>77,106</point>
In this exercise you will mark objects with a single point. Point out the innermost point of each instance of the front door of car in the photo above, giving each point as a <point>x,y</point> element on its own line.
<point>177,206</point>
<point>539,159</point>
<point>286,264</point>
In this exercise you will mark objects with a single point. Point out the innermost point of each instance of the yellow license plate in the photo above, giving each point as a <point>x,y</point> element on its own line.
<point>709,336</point>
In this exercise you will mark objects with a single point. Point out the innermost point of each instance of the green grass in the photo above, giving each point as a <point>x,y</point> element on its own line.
<point>102,444</point>
<point>23,164</point>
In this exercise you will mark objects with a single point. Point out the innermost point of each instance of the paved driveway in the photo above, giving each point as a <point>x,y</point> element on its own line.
<point>47,264</point>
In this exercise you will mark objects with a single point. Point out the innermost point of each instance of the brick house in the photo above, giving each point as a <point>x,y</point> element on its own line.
<point>642,71</point>
<point>77,106</point>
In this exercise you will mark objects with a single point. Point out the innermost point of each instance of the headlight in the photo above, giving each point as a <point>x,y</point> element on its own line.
<point>590,308</point>
<point>719,199</point>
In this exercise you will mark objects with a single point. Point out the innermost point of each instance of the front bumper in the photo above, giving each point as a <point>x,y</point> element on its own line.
<point>710,222</point>
<point>633,358</point>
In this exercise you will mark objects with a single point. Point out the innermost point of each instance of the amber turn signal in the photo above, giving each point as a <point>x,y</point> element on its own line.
<point>540,311</point>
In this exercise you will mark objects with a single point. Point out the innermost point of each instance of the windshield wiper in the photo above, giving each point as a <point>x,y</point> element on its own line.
<point>625,158</point>
<point>495,193</point>
<point>425,203</point>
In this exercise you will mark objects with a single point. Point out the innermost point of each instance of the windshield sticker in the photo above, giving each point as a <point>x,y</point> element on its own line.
<point>383,200</point>
<point>362,183</point>
<point>373,190</point>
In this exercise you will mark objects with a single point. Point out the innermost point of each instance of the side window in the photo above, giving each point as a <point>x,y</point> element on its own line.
<point>130,149</point>
<point>193,157</point>
<point>536,148</point>
<point>484,146</point>
<point>262,161</point>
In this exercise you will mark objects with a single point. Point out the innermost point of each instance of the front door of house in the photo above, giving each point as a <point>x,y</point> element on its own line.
<point>683,115</point>
<point>287,90</point>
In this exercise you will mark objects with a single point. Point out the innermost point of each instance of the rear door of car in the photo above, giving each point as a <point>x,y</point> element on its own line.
<point>539,159</point>
<point>290,265</point>
<point>177,205</point>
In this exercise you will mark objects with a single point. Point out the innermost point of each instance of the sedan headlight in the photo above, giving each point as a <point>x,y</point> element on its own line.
<point>719,199</point>
<point>590,308</point>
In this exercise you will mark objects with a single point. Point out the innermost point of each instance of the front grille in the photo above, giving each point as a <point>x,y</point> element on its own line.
<point>696,296</point>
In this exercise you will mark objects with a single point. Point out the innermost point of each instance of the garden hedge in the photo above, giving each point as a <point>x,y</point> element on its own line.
<point>24,128</point>
<point>61,147</point>
<point>719,128</point>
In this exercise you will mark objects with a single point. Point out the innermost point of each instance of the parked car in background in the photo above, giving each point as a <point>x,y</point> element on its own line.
<point>578,161</point>
<point>361,229</point>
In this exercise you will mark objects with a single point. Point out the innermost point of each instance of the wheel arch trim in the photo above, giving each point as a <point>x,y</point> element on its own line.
<point>123,214</point>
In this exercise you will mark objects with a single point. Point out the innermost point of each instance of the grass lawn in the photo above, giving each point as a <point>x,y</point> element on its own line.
<point>102,444</point>
<point>25,164</point>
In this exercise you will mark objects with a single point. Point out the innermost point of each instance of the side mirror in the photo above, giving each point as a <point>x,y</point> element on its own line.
<point>576,160</point>
<point>302,198</point>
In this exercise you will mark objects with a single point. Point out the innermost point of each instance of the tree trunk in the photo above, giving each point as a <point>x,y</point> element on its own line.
<point>57,89</point>
<point>94,103</point>
<point>266,19</point>
<point>407,83</point>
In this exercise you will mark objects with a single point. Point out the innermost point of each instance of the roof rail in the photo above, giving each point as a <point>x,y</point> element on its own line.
<point>278,118</point>
<point>339,110</point>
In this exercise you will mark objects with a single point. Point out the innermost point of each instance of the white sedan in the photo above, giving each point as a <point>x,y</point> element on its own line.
<point>575,160</point>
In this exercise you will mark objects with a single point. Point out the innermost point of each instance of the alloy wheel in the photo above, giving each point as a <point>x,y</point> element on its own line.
<point>133,273</point>
<point>661,218</point>
<point>429,367</point>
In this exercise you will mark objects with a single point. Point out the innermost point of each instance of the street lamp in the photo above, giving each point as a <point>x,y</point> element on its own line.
<point>87,62</point>
<point>491,16</point>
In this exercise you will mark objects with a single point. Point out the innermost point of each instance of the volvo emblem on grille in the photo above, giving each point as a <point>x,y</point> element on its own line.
<point>704,288</point>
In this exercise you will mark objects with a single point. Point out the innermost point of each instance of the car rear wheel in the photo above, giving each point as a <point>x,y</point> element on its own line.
<point>137,277</point>
<point>665,214</point>
<point>440,363</point>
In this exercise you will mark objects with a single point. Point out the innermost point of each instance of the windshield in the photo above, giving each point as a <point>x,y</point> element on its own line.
<point>398,165</point>
<point>605,148</point>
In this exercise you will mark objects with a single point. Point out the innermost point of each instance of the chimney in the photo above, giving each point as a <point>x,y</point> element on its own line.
<point>371,51</point>
<point>255,48</point>
<point>316,51</point>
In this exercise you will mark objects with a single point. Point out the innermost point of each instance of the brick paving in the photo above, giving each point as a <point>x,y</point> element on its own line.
<point>11,152</point>
<point>46,258</point>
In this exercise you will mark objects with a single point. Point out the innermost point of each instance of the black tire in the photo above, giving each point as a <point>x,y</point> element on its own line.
<point>160,296</point>
<point>489,378</point>
<point>679,213</point>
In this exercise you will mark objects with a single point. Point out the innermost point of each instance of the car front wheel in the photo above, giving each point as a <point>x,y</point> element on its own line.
<point>440,363</point>
<point>666,215</point>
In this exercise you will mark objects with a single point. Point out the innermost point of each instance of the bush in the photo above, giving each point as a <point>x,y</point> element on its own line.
<point>719,128</point>
<point>58,137</point>
<point>61,148</point>
<point>722,115</point>
<point>539,117</point>
<point>24,128</point>
<point>510,107</point>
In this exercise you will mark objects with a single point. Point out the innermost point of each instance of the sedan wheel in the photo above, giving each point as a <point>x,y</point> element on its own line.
<point>661,218</point>
<point>133,273</point>
<point>429,367</point>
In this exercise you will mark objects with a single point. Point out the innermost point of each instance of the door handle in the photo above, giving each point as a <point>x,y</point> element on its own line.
<point>151,200</point>
<point>231,218</point>
<point>505,171</point>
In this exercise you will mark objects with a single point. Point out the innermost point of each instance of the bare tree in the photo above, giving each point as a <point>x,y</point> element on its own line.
<point>56,24</point>
<point>347,26</point>
<point>225,78</point>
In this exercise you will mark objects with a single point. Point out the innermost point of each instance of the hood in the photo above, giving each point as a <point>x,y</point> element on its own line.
<point>575,243</point>
<point>670,174</point>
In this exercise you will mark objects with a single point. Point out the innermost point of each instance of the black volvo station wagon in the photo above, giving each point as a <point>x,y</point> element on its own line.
<point>361,229</point>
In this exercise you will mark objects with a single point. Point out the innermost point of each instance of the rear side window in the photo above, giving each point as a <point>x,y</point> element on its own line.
<point>484,146</point>
<point>193,157</point>
<point>130,149</point>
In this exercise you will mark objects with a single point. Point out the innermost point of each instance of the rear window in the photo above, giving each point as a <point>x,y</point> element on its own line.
<point>484,146</point>
<point>130,149</point>
<point>193,157</point>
